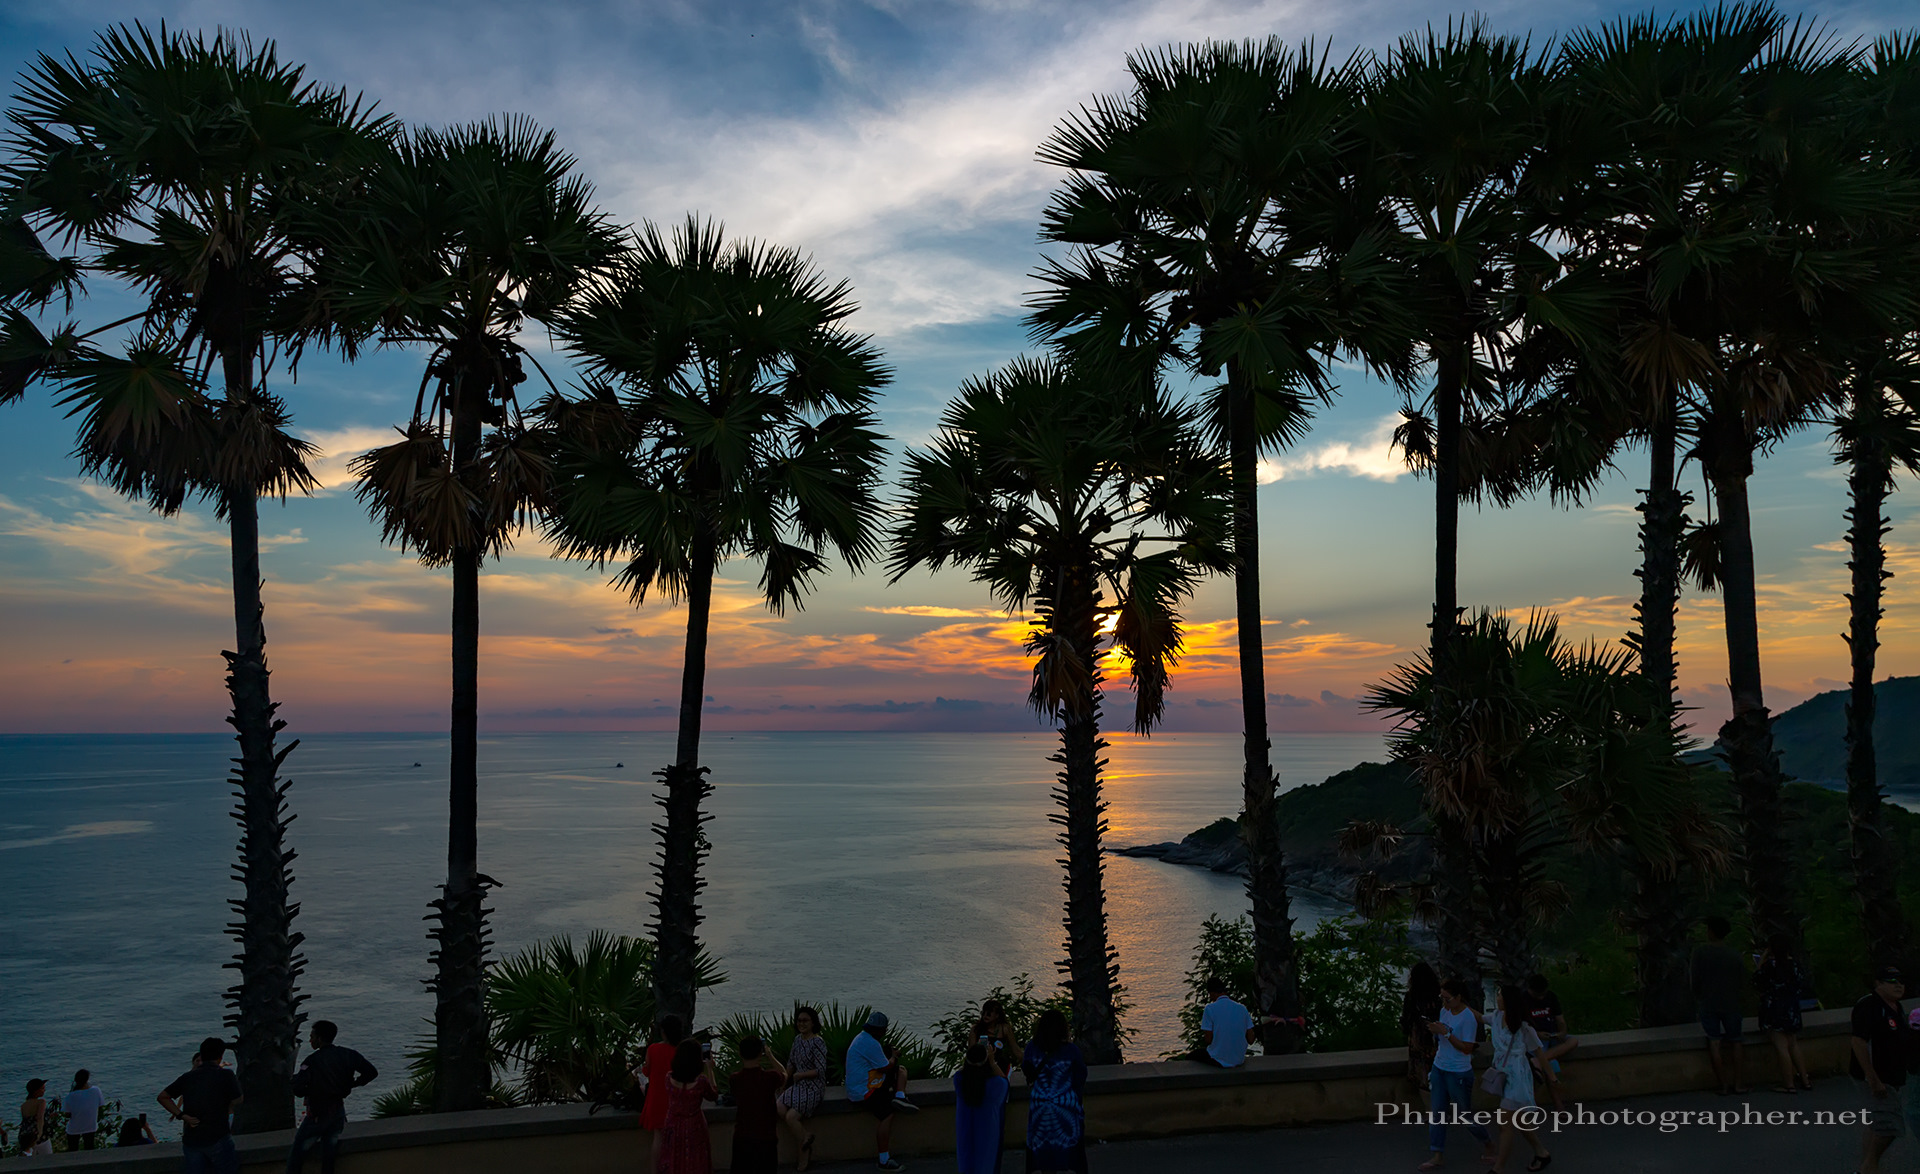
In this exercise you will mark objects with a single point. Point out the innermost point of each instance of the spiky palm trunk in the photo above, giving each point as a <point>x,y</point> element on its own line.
<point>1660,916</point>
<point>1747,737</point>
<point>1459,937</point>
<point>676,926</point>
<point>1509,928</point>
<point>264,1004</point>
<point>1875,864</point>
<point>464,1070</point>
<point>1091,965</point>
<point>1276,986</point>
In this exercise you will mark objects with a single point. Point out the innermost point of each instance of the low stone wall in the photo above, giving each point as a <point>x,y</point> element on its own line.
<point>1124,1102</point>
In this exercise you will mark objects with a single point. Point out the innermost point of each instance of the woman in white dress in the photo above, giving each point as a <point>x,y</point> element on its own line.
<point>1515,1043</point>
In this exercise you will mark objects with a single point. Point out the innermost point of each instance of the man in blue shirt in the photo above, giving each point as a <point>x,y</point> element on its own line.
<point>877,1081</point>
<point>1226,1029</point>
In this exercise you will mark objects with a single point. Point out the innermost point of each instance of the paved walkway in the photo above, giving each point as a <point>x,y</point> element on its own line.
<point>1592,1149</point>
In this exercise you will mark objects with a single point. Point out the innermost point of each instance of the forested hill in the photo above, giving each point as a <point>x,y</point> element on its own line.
<point>1812,736</point>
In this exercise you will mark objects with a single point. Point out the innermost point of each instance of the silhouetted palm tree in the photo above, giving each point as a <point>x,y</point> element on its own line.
<point>1215,230</point>
<point>1452,123</point>
<point>461,237</point>
<point>729,415</point>
<point>1052,490</point>
<point>1878,434</point>
<point>1647,119</point>
<point>182,166</point>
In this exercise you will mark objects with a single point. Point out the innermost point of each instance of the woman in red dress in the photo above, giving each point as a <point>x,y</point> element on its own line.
<point>682,1146</point>
<point>655,1067</point>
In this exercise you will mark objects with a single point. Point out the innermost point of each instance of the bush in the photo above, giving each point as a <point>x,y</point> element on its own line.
<point>838,1026</point>
<point>111,1117</point>
<point>567,1024</point>
<point>954,1034</point>
<point>1352,974</point>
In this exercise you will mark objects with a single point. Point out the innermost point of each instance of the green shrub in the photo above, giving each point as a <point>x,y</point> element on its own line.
<point>1352,974</point>
<point>953,1034</point>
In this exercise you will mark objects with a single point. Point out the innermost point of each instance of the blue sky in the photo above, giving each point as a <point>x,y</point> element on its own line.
<point>894,142</point>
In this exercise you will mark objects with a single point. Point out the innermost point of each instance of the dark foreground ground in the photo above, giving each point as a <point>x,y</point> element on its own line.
<point>1589,1149</point>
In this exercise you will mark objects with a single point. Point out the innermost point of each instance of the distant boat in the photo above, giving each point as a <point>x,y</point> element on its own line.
<point>619,765</point>
<point>416,764</point>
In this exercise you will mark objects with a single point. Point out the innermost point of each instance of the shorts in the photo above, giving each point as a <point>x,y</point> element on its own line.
<point>879,1104</point>
<point>1886,1115</point>
<point>1721,1025</point>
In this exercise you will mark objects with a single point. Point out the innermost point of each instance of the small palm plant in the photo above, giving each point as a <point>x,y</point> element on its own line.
<point>728,414</point>
<point>1054,492</point>
<point>459,238</point>
<point>1526,742</point>
<point>186,168</point>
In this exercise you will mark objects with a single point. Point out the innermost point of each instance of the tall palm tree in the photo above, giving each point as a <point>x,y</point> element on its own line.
<point>458,240</point>
<point>1102,515</point>
<point>1878,433</point>
<point>183,165</point>
<point>1781,317</point>
<point>1647,119</point>
<point>1452,122</point>
<point>729,414</point>
<point>1213,229</point>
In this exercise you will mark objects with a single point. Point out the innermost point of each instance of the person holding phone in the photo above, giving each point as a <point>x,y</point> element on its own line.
<point>683,1146</point>
<point>1457,1035</point>
<point>993,1030</point>
<point>756,1086</point>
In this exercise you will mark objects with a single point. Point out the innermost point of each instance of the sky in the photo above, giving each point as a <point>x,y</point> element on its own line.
<point>893,142</point>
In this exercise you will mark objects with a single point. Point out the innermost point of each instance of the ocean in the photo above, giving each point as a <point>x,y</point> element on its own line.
<point>908,871</point>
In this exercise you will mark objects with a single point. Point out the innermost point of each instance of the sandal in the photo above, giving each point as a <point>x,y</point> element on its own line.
<point>1432,1163</point>
<point>806,1154</point>
<point>1541,1162</point>
<point>1785,1088</point>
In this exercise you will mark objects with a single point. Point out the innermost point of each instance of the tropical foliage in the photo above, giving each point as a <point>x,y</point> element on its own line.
<point>1054,489</point>
<point>188,170</point>
<point>1691,237</point>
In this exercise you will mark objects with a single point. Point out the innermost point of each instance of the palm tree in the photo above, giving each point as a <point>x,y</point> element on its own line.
<point>728,414</point>
<point>1452,124</point>
<point>1213,229</point>
<point>1049,492</point>
<point>1646,121</point>
<point>183,165</point>
<point>460,238</point>
<point>1879,432</point>
<point>1781,317</point>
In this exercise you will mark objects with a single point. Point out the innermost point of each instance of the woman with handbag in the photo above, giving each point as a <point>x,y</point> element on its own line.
<point>1510,1076</point>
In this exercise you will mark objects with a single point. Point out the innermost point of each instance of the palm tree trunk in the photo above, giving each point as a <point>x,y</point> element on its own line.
<point>1275,984</point>
<point>676,924</point>
<point>1509,921</point>
<point>464,1070</point>
<point>1746,739</point>
<point>264,1005</point>
<point>1659,917</point>
<point>1458,936</point>
<point>1875,866</point>
<point>1091,967</point>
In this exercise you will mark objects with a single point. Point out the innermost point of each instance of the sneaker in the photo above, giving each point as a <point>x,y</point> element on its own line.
<point>904,1105</point>
<point>890,1164</point>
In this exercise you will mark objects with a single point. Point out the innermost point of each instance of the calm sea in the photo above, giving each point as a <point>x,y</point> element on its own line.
<point>910,871</point>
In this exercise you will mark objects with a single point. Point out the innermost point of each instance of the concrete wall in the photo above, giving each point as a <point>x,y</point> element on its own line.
<point>1124,1101</point>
